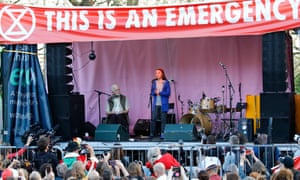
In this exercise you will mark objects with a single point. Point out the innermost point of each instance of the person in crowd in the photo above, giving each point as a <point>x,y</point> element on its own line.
<point>79,170</point>
<point>288,163</point>
<point>212,170</point>
<point>177,173</point>
<point>283,174</point>
<point>117,108</point>
<point>135,171</point>
<point>214,150</point>
<point>117,153</point>
<point>61,169</point>
<point>203,175</point>
<point>160,171</point>
<point>107,174</point>
<point>258,169</point>
<point>44,155</point>
<point>73,154</point>
<point>232,152</point>
<point>46,171</point>
<point>268,155</point>
<point>231,176</point>
<point>35,175</point>
<point>154,156</point>
<point>160,91</point>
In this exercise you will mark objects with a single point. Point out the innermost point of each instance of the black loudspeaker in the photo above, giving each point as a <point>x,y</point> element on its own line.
<point>245,126</point>
<point>111,132</point>
<point>89,128</point>
<point>281,108</point>
<point>142,127</point>
<point>279,131</point>
<point>176,132</point>
<point>58,68</point>
<point>274,62</point>
<point>277,105</point>
<point>68,112</point>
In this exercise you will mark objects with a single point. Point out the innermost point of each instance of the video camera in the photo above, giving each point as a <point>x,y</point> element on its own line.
<point>35,131</point>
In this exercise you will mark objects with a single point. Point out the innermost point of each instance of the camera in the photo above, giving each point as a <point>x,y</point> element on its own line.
<point>296,137</point>
<point>176,172</point>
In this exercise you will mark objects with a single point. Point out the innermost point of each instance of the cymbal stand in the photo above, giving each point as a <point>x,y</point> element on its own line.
<point>182,104</point>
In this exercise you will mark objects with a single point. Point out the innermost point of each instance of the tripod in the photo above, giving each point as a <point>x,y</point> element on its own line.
<point>99,104</point>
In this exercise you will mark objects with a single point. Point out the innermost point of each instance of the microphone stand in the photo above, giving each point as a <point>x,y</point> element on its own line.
<point>231,93</point>
<point>99,104</point>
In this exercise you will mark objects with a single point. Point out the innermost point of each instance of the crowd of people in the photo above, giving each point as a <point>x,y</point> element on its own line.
<point>79,161</point>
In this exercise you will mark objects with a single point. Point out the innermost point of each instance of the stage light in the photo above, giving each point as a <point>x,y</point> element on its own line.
<point>92,55</point>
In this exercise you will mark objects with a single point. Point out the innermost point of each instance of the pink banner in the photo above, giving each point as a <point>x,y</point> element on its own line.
<point>23,24</point>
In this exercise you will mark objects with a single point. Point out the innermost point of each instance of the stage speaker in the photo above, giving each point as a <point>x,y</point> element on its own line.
<point>68,112</point>
<point>281,108</point>
<point>142,127</point>
<point>111,132</point>
<point>279,130</point>
<point>274,62</point>
<point>176,132</point>
<point>245,126</point>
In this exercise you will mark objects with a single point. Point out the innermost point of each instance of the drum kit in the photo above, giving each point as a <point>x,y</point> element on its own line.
<point>198,114</point>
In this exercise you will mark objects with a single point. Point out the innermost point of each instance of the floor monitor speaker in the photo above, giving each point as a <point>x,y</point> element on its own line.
<point>111,132</point>
<point>184,132</point>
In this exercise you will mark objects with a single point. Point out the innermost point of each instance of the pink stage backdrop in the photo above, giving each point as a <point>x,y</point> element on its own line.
<point>193,64</point>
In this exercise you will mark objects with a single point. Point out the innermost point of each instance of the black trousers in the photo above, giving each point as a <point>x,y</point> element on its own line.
<point>119,119</point>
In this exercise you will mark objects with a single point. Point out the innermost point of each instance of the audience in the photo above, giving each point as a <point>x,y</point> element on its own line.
<point>113,165</point>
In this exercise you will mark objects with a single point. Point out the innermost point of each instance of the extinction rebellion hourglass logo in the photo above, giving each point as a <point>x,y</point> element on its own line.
<point>16,24</point>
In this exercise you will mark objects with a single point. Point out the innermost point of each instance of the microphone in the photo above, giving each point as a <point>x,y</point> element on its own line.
<point>171,80</point>
<point>221,64</point>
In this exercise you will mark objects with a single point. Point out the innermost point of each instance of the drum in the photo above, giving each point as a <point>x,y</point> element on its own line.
<point>200,120</point>
<point>194,108</point>
<point>207,104</point>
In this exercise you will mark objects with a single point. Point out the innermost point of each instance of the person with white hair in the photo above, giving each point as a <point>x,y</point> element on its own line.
<point>117,108</point>
<point>160,171</point>
<point>154,156</point>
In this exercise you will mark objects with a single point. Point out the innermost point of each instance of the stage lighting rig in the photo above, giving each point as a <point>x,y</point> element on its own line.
<point>92,55</point>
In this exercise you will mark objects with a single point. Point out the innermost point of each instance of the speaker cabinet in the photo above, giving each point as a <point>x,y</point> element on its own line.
<point>279,131</point>
<point>184,132</point>
<point>111,132</point>
<point>68,112</point>
<point>281,108</point>
<point>142,127</point>
<point>245,126</point>
<point>274,62</point>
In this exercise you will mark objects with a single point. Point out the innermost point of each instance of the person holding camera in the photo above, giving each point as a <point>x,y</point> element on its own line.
<point>44,155</point>
<point>177,173</point>
<point>73,154</point>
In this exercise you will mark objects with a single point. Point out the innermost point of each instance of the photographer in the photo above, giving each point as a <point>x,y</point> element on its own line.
<point>43,155</point>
